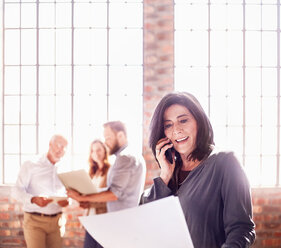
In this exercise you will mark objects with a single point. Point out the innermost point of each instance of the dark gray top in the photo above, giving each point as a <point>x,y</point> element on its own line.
<point>216,201</point>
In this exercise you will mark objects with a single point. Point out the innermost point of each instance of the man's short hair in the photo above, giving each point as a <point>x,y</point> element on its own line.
<point>116,126</point>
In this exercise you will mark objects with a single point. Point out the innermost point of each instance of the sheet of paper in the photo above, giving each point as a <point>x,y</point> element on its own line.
<point>78,180</point>
<point>157,224</point>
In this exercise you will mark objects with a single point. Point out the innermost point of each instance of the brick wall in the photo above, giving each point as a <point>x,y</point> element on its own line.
<point>266,207</point>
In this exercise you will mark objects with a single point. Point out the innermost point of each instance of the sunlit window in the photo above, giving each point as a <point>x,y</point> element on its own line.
<point>227,53</point>
<point>69,66</point>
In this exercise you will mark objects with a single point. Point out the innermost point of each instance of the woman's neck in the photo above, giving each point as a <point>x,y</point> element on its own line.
<point>189,165</point>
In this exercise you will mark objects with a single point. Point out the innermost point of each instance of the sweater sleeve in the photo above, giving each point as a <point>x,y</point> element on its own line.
<point>158,190</point>
<point>236,195</point>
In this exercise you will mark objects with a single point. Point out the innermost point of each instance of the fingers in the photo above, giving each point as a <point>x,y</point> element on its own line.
<point>161,145</point>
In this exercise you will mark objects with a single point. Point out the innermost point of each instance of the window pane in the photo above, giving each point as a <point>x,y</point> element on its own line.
<point>46,15</point>
<point>253,17</point>
<point>125,108</point>
<point>219,82</point>
<point>28,139</point>
<point>268,171</point>
<point>82,46</point>
<point>193,80</point>
<point>11,110</point>
<point>46,110</point>
<point>269,82</point>
<point>131,15</point>
<point>63,47</point>
<point>12,166</point>
<point>94,80</point>
<point>28,109</point>
<point>98,49</point>
<point>63,110</point>
<point>63,14</point>
<point>218,110</point>
<point>28,15</point>
<point>234,48</point>
<point>235,82</point>
<point>253,82</point>
<point>253,48</point>
<point>46,80</point>
<point>98,110</point>
<point>269,140</point>
<point>191,16</point>
<point>269,17</point>
<point>12,15</point>
<point>63,80</point>
<point>90,15</point>
<point>28,80</point>
<point>125,47</point>
<point>125,80</point>
<point>253,111</point>
<point>235,111</point>
<point>28,47</point>
<point>46,46</point>
<point>218,48</point>
<point>11,139</point>
<point>269,111</point>
<point>12,47</point>
<point>252,168</point>
<point>12,80</point>
<point>253,141</point>
<point>269,48</point>
<point>191,48</point>
<point>234,16</point>
<point>218,16</point>
<point>235,139</point>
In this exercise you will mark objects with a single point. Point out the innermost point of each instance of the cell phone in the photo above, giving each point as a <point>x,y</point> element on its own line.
<point>169,155</point>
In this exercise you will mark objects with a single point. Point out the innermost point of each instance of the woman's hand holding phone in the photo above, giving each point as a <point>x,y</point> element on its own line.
<point>167,168</point>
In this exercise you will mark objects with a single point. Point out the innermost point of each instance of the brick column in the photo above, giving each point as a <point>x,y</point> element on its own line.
<point>158,66</point>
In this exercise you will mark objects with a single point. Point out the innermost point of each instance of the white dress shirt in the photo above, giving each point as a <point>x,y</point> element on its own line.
<point>38,179</point>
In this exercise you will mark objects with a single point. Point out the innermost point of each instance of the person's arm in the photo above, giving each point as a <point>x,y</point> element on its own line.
<point>19,191</point>
<point>157,191</point>
<point>237,215</point>
<point>104,196</point>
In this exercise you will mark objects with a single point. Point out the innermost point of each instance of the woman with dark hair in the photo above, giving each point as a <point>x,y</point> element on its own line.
<point>212,187</point>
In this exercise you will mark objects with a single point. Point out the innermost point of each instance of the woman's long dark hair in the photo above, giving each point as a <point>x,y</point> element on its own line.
<point>94,165</point>
<point>204,138</point>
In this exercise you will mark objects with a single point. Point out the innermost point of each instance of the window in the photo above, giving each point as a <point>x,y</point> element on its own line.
<point>227,53</point>
<point>68,67</point>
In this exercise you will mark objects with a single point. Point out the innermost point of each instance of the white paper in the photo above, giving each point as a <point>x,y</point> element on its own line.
<point>160,223</point>
<point>78,180</point>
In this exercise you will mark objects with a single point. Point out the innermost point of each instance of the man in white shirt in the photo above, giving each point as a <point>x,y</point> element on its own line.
<point>36,182</point>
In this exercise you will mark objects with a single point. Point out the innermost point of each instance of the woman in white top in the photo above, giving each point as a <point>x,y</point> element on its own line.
<point>98,168</point>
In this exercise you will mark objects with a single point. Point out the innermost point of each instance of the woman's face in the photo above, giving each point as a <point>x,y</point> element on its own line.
<point>181,128</point>
<point>97,152</point>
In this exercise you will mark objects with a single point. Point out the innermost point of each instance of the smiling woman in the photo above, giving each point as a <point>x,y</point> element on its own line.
<point>212,187</point>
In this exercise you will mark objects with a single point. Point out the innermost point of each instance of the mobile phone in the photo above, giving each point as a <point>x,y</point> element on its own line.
<point>169,155</point>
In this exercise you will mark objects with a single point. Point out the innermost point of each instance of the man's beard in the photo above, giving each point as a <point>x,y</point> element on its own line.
<point>114,149</point>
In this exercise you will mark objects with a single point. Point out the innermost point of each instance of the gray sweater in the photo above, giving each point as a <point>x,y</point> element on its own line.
<point>216,201</point>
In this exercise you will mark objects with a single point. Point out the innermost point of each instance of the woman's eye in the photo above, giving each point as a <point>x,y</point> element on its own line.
<point>167,126</point>
<point>183,120</point>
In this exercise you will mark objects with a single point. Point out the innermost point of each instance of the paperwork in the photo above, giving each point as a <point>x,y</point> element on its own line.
<point>157,224</point>
<point>78,180</point>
